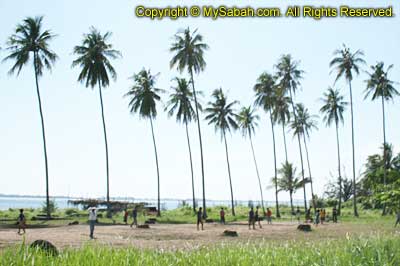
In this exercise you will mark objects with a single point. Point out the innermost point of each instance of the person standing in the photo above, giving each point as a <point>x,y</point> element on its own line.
<point>317,215</point>
<point>251,219</point>
<point>397,220</point>
<point>200,219</point>
<point>334,215</point>
<point>21,221</point>
<point>134,216</point>
<point>257,217</point>
<point>222,216</point>
<point>298,214</point>
<point>322,214</point>
<point>269,216</point>
<point>126,216</point>
<point>92,220</point>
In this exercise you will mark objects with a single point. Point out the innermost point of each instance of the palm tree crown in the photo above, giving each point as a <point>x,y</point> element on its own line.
<point>281,111</point>
<point>143,94</point>
<point>288,180</point>
<point>29,38</point>
<point>180,101</point>
<point>334,107</point>
<point>305,119</point>
<point>289,74</point>
<point>94,56</point>
<point>189,51</point>
<point>247,121</point>
<point>379,85</point>
<point>346,62</point>
<point>265,91</point>
<point>221,113</point>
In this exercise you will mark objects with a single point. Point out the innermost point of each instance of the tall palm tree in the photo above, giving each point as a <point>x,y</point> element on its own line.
<point>265,98</point>
<point>306,123</point>
<point>30,40</point>
<point>281,114</point>
<point>347,64</point>
<point>220,113</point>
<point>180,102</point>
<point>289,182</point>
<point>289,76</point>
<point>247,121</point>
<point>94,56</point>
<point>143,99</point>
<point>333,109</point>
<point>379,86</point>
<point>188,49</point>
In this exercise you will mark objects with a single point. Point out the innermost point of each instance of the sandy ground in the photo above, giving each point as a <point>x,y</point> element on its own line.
<point>173,236</point>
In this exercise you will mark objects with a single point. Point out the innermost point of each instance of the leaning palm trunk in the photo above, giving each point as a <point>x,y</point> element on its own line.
<point>291,201</point>
<point>158,171</point>
<point>48,214</point>
<point>339,170</point>
<point>284,141</point>
<point>106,146</point>
<point>354,162</point>
<point>278,215</point>
<point>229,173</point>
<point>191,166</point>
<point>309,172</point>
<point>201,144</point>
<point>384,151</point>
<point>301,153</point>
<point>258,175</point>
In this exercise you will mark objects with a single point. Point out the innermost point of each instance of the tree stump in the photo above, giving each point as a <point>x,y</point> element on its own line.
<point>230,233</point>
<point>304,227</point>
<point>143,226</point>
<point>45,246</point>
<point>73,223</point>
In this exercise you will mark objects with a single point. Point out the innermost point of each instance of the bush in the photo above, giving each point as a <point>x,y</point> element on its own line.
<point>52,206</point>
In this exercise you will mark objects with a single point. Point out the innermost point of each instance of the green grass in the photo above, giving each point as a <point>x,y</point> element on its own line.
<point>375,250</point>
<point>181,215</point>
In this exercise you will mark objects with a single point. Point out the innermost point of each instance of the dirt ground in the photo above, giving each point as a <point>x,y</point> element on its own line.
<point>180,237</point>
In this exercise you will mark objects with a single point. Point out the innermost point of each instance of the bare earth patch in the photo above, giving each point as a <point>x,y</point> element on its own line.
<point>181,236</point>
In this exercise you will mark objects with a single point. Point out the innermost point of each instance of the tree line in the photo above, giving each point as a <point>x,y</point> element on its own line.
<point>274,94</point>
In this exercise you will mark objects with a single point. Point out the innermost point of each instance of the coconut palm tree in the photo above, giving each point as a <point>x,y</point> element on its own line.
<point>305,123</point>
<point>281,114</point>
<point>247,121</point>
<point>265,98</point>
<point>181,102</point>
<point>143,99</point>
<point>346,65</point>
<point>289,76</point>
<point>289,182</point>
<point>30,41</point>
<point>94,56</point>
<point>221,114</point>
<point>188,49</point>
<point>379,86</point>
<point>333,109</point>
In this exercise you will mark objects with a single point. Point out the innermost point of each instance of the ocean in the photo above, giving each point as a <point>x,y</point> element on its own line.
<point>16,202</point>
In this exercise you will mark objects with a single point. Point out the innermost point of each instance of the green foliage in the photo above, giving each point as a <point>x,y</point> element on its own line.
<point>51,208</point>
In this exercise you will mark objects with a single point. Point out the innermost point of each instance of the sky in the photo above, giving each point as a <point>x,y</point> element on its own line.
<point>240,50</point>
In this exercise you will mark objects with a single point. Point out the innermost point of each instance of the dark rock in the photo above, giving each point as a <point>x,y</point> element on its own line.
<point>304,227</point>
<point>143,226</point>
<point>73,223</point>
<point>151,221</point>
<point>45,246</point>
<point>209,220</point>
<point>230,233</point>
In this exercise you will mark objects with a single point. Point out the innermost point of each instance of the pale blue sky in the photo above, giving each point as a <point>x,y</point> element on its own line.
<point>240,49</point>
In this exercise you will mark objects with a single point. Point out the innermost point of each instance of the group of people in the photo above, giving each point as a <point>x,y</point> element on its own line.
<point>254,217</point>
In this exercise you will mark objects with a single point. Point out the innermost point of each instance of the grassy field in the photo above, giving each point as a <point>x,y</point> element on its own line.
<point>376,250</point>
<point>183,215</point>
<point>367,240</point>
